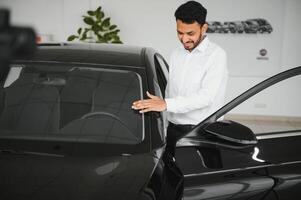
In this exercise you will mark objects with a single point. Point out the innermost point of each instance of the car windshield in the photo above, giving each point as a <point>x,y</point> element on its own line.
<point>72,103</point>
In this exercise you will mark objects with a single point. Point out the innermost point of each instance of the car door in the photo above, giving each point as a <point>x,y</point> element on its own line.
<point>270,170</point>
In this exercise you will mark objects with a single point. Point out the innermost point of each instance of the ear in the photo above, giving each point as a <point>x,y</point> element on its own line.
<point>204,28</point>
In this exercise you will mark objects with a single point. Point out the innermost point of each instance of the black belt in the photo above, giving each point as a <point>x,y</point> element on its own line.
<point>182,127</point>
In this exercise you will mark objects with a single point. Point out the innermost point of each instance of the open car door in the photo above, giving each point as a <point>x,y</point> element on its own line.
<point>220,160</point>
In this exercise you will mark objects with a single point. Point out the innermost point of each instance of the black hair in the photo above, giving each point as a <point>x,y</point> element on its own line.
<point>190,12</point>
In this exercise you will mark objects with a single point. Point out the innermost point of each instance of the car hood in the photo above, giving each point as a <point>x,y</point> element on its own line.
<point>74,177</point>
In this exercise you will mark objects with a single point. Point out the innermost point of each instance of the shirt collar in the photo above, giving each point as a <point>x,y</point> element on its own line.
<point>203,45</point>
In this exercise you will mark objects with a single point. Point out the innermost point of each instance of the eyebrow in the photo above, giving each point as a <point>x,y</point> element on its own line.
<point>186,32</point>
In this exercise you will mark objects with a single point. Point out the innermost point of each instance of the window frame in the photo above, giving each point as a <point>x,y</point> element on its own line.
<point>243,97</point>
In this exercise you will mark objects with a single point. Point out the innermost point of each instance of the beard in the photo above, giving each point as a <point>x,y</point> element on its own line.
<point>193,43</point>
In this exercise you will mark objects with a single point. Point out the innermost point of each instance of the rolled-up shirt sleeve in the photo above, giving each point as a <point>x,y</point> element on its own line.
<point>214,78</point>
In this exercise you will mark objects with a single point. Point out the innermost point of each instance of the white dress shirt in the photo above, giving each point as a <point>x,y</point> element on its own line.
<point>196,84</point>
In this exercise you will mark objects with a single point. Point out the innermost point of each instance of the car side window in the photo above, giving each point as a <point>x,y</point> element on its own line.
<point>275,110</point>
<point>161,71</point>
<point>161,67</point>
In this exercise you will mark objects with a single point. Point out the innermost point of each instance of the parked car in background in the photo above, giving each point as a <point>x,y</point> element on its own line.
<point>263,25</point>
<point>229,27</point>
<point>251,26</point>
<point>215,27</point>
<point>239,26</point>
<point>67,131</point>
<point>226,27</point>
<point>218,27</point>
<point>257,25</point>
<point>210,28</point>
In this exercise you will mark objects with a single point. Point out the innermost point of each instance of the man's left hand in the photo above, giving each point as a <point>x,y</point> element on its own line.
<point>154,103</point>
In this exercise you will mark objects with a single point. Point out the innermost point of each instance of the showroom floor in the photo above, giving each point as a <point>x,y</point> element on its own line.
<point>263,124</point>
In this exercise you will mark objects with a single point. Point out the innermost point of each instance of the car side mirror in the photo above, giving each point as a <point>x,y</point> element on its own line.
<point>232,132</point>
<point>224,133</point>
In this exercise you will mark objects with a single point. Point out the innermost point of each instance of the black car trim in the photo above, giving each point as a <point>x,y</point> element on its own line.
<point>142,56</point>
<point>186,142</point>
<point>52,44</point>
<point>233,139</point>
<point>201,157</point>
<point>18,152</point>
<point>240,169</point>
<point>160,74</point>
<point>279,135</point>
<point>77,63</point>
<point>157,55</point>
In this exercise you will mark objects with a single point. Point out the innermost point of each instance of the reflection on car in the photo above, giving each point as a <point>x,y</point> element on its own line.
<point>72,102</point>
<point>67,131</point>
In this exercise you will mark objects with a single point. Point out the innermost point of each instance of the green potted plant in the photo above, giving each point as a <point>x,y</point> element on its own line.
<point>99,29</point>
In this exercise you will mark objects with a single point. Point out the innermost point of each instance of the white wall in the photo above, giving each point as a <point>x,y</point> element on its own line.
<point>291,42</point>
<point>151,23</point>
<point>142,22</point>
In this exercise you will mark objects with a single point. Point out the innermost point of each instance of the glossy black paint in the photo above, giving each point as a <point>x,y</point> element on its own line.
<point>45,169</point>
<point>271,171</point>
<point>238,176</point>
<point>57,169</point>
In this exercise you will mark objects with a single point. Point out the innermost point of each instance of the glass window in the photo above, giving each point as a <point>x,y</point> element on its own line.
<point>71,103</point>
<point>275,110</point>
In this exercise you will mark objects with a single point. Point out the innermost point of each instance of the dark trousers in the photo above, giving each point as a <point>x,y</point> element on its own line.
<point>174,179</point>
<point>174,133</point>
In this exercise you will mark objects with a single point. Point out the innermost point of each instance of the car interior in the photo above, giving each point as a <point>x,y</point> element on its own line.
<point>78,103</point>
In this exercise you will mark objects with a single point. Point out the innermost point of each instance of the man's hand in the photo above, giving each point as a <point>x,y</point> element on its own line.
<point>154,103</point>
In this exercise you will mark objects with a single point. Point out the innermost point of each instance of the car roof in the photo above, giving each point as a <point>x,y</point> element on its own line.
<point>112,54</point>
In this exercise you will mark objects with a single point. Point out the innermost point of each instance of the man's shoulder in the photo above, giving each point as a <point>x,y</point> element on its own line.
<point>176,52</point>
<point>214,48</point>
<point>178,49</point>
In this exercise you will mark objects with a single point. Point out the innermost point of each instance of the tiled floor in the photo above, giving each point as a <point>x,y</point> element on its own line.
<point>267,124</point>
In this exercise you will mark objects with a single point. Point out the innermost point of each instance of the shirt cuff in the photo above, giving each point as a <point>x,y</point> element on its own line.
<point>170,105</point>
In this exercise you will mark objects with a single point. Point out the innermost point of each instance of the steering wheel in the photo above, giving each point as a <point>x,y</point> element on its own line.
<point>99,113</point>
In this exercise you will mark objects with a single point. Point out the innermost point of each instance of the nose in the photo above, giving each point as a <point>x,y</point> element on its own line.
<point>185,38</point>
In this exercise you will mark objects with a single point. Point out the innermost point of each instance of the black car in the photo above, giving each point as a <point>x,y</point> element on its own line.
<point>263,25</point>
<point>229,27</point>
<point>215,27</point>
<point>239,26</point>
<point>67,131</point>
<point>251,26</point>
<point>211,27</point>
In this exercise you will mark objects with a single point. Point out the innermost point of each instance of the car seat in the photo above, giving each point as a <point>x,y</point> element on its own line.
<point>30,105</point>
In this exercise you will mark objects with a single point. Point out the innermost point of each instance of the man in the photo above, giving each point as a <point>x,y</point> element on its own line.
<point>197,76</point>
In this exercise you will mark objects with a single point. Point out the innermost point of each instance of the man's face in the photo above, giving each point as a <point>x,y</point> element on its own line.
<point>190,35</point>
